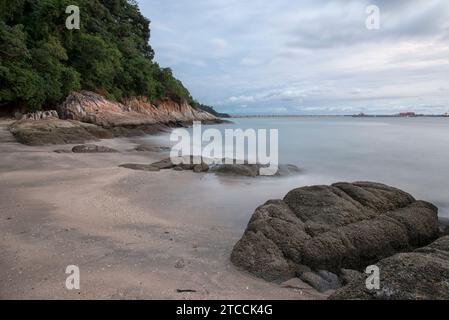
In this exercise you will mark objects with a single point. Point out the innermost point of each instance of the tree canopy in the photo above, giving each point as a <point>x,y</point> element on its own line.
<point>41,61</point>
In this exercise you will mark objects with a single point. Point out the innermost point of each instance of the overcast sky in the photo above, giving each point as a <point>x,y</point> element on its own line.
<point>306,57</point>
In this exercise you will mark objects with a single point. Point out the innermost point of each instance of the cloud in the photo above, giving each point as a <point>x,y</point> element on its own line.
<point>219,43</point>
<point>242,99</point>
<point>310,56</point>
<point>250,62</point>
<point>200,63</point>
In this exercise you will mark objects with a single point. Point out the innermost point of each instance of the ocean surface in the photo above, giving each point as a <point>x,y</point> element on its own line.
<point>408,153</point>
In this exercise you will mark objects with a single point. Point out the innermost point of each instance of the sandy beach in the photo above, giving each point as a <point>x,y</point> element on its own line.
<point>134,235</point>
<point>292,151</point>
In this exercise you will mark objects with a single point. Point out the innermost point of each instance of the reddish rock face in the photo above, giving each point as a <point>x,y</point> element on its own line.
<point>168,111</point>
<point>93,108</point>
<point>87,116</point>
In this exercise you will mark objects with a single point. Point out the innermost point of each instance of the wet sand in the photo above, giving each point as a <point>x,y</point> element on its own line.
<point>134,235</point>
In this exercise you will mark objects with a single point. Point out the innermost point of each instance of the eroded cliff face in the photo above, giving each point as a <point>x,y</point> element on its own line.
<point>168,111</point>
<point>86,116</point>
<point>93,108</point>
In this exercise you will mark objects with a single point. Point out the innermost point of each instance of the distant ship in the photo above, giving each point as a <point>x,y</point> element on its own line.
<point>407,114</point>
<point>360,115</point>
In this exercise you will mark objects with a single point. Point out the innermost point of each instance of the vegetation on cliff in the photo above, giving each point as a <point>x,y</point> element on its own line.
<point>41,61</point>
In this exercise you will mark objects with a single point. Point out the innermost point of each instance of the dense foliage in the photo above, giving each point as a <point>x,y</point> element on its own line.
<point>210,110</point>
<point>41,61</point>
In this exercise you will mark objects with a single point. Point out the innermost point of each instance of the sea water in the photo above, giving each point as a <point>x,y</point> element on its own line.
<point>408,153</point>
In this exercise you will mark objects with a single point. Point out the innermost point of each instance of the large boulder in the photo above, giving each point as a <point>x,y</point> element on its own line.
<point>330,228</point>
<point>421,274</point>
<point>56,131</point>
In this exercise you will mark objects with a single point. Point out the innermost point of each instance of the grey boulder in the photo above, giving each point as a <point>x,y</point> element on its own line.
<point>422,274</point>
<point>343,226</point>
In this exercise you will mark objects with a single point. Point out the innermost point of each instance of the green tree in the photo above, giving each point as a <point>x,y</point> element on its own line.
<point>41,61</point>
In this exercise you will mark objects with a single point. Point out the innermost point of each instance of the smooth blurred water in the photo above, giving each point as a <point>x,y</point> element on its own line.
<point>409,153</point>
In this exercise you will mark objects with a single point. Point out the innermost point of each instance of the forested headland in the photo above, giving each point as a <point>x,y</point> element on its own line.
<point>41,61</point>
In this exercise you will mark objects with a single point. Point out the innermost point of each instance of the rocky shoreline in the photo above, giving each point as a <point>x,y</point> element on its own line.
<point>221,168</point>
<point>134,235</point>
<point>316,242</point>
<point>327,235</point>
<point>319,238</point>
<point>87,116</point>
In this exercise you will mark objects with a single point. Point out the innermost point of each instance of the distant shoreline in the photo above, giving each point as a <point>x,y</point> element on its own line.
<point>337,116</point>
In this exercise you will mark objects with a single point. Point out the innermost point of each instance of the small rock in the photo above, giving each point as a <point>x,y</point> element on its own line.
<point>322,284</point>
<point>187,166</point>
<point>331,278</point>
<point>164,164</point>
<point>180,264</point>
<point>145,148</point>
<point>201,168</point>
<point>91,148</point>
<point>247,170</point>
<point>185,291</point>
<point>296,283</point>
<point>63,151</point>
<point>140,167</point>
<point>348,275</point>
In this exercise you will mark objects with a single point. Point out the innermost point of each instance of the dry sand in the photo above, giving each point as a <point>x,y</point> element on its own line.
<point>134,235</point>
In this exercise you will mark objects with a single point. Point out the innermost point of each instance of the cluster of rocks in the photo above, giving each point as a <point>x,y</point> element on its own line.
<point>328,235</point>
<point>88,148</point>
<point>87,116</point>
<point>150,148</point>
<point>190,165</point>
<point>41,115</point>
<point>92,148</point>
<point>218,168</point>
<point>168,164</point>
